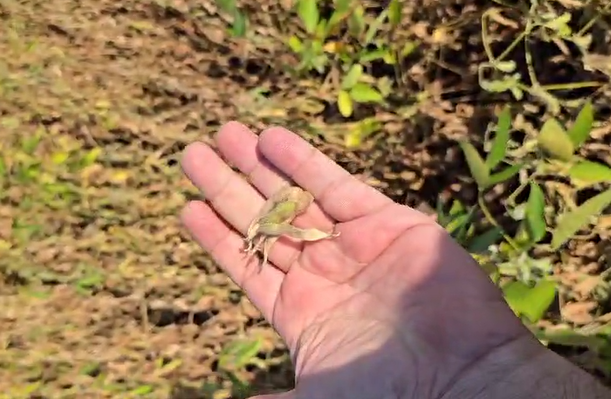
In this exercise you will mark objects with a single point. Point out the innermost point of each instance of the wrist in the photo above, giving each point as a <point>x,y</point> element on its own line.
<point>526,368</point>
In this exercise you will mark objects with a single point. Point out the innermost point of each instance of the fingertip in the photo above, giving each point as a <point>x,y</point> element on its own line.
<point>286,150</point>
<point>190,153</point>
<point>238,146</point>
<point>229,129</point>
<point>273,134</point>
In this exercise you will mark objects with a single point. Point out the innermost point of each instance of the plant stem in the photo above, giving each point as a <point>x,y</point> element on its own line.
<point>492,220</point>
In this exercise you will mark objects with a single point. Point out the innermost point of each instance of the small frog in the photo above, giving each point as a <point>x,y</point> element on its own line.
<point>274,220</point>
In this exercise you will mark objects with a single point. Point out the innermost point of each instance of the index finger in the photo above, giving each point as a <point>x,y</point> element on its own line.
<point>340,194</point>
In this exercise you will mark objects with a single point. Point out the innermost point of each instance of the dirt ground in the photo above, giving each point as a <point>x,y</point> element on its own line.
<point>102,293</point>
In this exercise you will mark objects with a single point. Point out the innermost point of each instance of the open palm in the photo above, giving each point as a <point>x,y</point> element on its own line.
<point>392,296</point>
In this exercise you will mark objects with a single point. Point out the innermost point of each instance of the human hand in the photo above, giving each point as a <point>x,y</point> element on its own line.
<point>391,308</point>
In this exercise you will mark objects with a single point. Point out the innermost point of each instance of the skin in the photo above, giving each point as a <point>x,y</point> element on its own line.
<point>391,308</point>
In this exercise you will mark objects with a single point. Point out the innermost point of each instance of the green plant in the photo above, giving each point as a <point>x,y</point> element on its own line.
<point>344,47</point>
<point>551,152</point>
<point>234,357</point>
<point>530,301</point>
<point>499,75</point>
<point>239,24</point>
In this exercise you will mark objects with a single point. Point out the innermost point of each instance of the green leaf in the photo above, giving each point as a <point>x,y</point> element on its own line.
<point>394,12</point>
<point>535,213</point>
<point>444,219</point>
<point>390,58</point>
<point>239,353</point>
<point>352,77</point>
<point>321,30</point>
<point>29,144</point>
<point>91,281</point>
<point>558,22</point>
<point>60,157</point>
<point>142,390</point>
<point>572,221</point>
<point>344,103</point>
<point>465,230</point>
<point>356,22</point>
<point>295,44</point>
<point>239,387</point>
<point>92,368</point>
<point>358,132</point>
<point>457,208</point>
<point>590,172</point>
<point>456,222</point>
<point>482,242</point>
<point>497,86</point>
<point>517,93</point>
<point>91,156</point>
<point>363,93</point>
<point>506,66</point>
<point>3,168</point>
<point>342,11</point>
<point>531,302</point>
<point>374,27</point>
<point>378,54</point>
<point>569,337</point>
<point>476,164</point>
<point>353,138</point>
<point>408,48</point>
<point>553,140</point>
<point>580,131</point>
<point>334,22</point>
<point>342,5</point>
<point>228,6</point>
<point>239,24</point>
<point>501,138</point>
<point>504,174</point>
<point>308,12</point>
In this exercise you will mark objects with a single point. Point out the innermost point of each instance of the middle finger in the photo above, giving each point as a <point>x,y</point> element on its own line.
<point>238,144</point>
